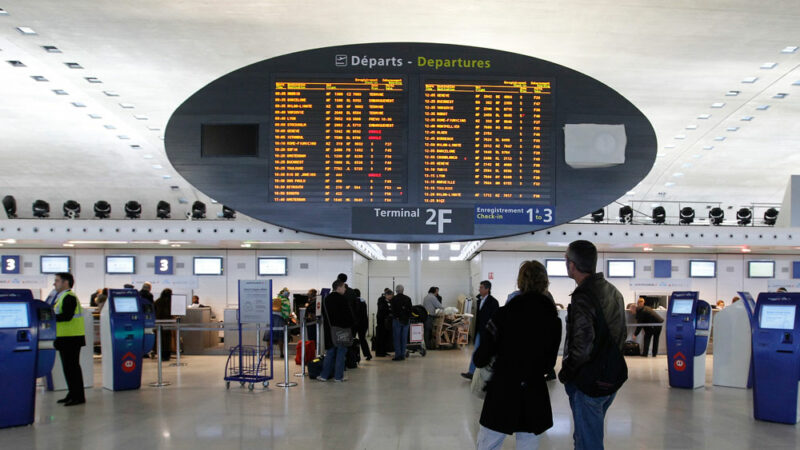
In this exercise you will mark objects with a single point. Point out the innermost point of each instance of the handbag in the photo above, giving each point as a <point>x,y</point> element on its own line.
<point>340,337</point>
<point>480,380</point>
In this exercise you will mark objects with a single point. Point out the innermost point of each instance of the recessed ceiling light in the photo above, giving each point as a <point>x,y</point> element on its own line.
<point>175,245</point>
<point>93,80</point>
<point>677,174</point>
<point>157,166</point>
<point>147,156</point>
<point>746,250</point>
<point>140,117</point>
<point>73,65</point>
<point>153,128</point>
<point>768,65</point>
<point>123,137</point>
<point>630,193</point>
<point>60,92</point>
<point>719,138</point>
<point>3,12</point>
<point>39,78</point>
<point>718,104</point>
<point>127,105</point>
<point>732,129</point>
<point>691,127</point>
<point>182,200</point>
<point>67,244</point>
<point>680,136</point>
<point>391,258</point>
<point>26,30</point>
<point>789,49</point>
<point>79,105</point>
<point>747,118</point>
<point>732,93</point>
<point>455,258</point>
<point>647,249</point>
<point>704,116</point>
<point>433,258</point>
<point>95,116</point>
<point>136,146</point>
<point>697,155</point>
<point>16,63</point>
<point>433,246</point>
<point>391,246</point>
<point>686,165</point>
<point>246,245</point>
<point>111,93</point>
<point>762,107</point>
<point>455,247</point>
<point>669,183</point>
<point>749,80</point>
<point>51,49</point>
<point>780,95</point>
<point>669,146</point>
<point>166,177</point>
<point>708,147</point>
<point>108,126</point>
<point>796,83</point>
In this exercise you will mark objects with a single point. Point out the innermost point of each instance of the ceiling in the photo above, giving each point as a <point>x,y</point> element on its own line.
<point>676,61</point>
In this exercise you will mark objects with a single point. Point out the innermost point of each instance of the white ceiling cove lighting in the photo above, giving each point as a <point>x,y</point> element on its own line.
<point>391,258</point>
<point>718,104</point>
<point>769,65</point>
<point>789,49</point>
<point>455,246</point>
<point>27,31</point>
<point>391,246</point>
<point>704,116</point>
<point>433,246</point>
<point>433,258</point>
<point>749,80</point>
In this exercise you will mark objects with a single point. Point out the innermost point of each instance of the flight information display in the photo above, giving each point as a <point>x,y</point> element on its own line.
<point>339,140</point>
<point>488,141</point>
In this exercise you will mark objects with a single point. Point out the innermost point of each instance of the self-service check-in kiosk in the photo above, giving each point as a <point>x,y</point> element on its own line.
<point>126,334</point>
<point>733,344</point>
<point>688,330</point>
<point>27,332</point>
<point>776,358</point>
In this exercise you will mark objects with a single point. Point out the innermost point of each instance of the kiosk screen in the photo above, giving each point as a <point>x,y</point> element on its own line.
<point>682,307</point>
<point>777,317</point>
<point>126,305</point>
<point>13,315</point>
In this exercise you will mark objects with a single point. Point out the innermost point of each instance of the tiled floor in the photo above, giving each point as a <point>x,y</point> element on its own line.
<point>419,403</point>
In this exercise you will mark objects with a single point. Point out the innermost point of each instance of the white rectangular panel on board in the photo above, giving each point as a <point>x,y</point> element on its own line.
<point>589,145</point>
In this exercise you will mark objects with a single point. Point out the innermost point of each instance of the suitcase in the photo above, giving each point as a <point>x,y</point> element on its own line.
<point>353,356</point>
<point>314,367</point>
<point>631,349</point>
<point>311,348</point>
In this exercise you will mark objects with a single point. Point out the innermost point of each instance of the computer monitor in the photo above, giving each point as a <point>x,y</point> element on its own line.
<point>54,263</point>
<point>556,267</point>
<point>702,269</point>
<point>682,306</point>
<point>777,317</point>
<point>271,266</point>
<point>761,269</point>
<point>207,265</point>
<point>120,265</point>
<point>126,305</point>
<point>621,268</point>
<point>14,315</point>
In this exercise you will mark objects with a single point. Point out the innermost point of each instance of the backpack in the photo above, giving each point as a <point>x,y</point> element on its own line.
<point>606,370</point>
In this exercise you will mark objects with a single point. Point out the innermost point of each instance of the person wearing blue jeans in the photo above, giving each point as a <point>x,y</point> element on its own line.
<point>333,363</point>
<point>588,413</point>
<point>400,334</point>
<point>487,305</point>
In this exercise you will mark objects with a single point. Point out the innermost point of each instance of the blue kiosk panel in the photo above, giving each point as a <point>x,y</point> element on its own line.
<point>27,331</point>
<point>122,331</point>
<point>688,329</point>
<point>776,358</point>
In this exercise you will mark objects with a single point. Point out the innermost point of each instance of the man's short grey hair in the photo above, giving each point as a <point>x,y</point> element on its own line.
<point>399,288</point>
<point>147,286</point>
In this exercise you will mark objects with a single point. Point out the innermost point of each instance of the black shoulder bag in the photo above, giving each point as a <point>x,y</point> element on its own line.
<point>606,370</point>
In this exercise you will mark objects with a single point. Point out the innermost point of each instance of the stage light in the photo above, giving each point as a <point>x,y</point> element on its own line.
<point>41,209</point>
<point>228,213</point>
<point>598,215</point>
<point>163,210</point>
<point>716,215</point>
<point>626,214</point>
<point>744,216</point>
<point>687,215</point>
<point>102,209</point>
<point>10,205</point>
<point>770,216</point>
<point>198,210</point>
<point>659,214</point>
<point>72,209</point>
<point>133,209</point>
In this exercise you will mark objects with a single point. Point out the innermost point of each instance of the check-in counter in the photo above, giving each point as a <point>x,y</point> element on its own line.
<point>195,342</point>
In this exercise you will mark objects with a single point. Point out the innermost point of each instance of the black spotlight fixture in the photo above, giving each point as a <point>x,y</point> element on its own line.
<point>687,215</point>
<point>626,214</point>
<point>163,209</point>
<point>659,214</point>
<point>744,216</point>
<point>41,209</point>
<point>72,209</point>
<point>198,210</point>
<point>133,209</point>
<point>228,213</point>
<point>716,215</point>
<point>770,216</point>
<point>102,209</point>
<point>598,215</point>
<point>10,205</point>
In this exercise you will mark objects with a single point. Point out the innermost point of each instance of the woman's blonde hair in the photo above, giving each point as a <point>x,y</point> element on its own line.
<point>532,277</point>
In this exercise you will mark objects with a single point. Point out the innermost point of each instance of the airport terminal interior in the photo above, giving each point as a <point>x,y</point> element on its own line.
<point>240,154</point>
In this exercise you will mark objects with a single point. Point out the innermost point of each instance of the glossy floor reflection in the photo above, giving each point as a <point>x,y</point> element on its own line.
<point>419,403</point>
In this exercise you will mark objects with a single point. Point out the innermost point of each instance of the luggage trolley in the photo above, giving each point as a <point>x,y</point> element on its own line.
<point>249,363</point>
<point>416,331</point>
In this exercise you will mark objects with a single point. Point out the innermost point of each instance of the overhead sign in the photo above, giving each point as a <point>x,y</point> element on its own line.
<point>410,141</point>
<point>9,264</point>
<point>163,265</point>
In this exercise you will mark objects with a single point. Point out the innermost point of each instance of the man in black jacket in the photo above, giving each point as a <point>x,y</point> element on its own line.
<point>593,343</point>
<point>337,314</point>
<point>487,306</point>
<point>401,310</point>
<point>646,316</point>
<point>362,324</point>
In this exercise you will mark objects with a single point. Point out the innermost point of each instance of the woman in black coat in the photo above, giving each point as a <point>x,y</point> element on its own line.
<point>383,332</point>
<point>163,307</point>
<point>523,338</point>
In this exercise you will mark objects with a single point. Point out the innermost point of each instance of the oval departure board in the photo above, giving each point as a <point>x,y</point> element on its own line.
<point>410,142</point>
